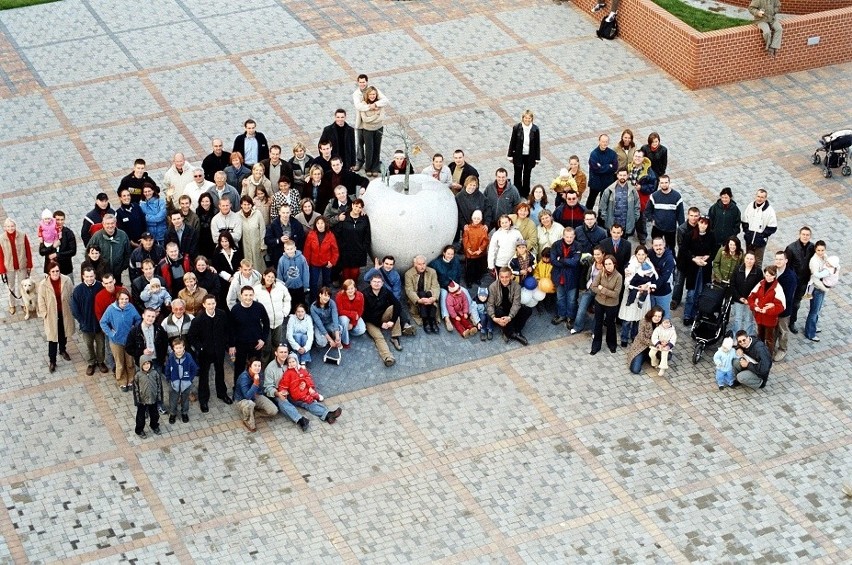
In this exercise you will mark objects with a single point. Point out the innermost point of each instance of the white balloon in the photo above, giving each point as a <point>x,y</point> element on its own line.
<point>528,298</point>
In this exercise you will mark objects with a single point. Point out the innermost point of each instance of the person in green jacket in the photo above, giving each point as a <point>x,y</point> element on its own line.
<point>727,259</point>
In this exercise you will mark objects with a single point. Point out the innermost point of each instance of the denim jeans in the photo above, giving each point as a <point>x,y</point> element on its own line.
<point>629,330</point>
<point>638,361</point>
<point>484,318</point>
<point>724,377</point>
<point>319,277</point>
<point>663,302</point>
<point>566,301</point>
<point>302,339</point>
<point>358,329</point>
<point>818,297</point>
<point>315,408</point>
<point>586,299</point>
<point>742,318</point>
<point>287,409</point>
<point>690,309</point>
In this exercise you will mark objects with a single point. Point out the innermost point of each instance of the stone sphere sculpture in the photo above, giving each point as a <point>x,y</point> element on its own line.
<point>419,222</point>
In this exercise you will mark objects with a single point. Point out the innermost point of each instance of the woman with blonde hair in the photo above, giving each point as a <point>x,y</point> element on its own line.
<point>371,119</point>
<point>255,180</point>
<point>524,151</point>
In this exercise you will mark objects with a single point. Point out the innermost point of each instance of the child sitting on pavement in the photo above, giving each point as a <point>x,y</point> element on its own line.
<point>458,309</point>
<point>662,342</point>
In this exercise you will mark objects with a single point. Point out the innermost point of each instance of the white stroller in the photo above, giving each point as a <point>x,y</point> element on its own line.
<point>835,146</point>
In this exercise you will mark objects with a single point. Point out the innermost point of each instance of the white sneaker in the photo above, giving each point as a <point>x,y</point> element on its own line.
<point>573,331</point>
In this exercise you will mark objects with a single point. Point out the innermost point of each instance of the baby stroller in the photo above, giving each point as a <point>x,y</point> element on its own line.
<point>836,148</point>
<point>714,305</point>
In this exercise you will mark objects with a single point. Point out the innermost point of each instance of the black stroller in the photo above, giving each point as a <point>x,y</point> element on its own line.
<point>714,306</point>
<point>836,148</point>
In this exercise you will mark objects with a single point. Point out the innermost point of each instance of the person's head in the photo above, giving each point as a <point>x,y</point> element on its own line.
<point>122,296</point>
<point>357,207</point>
<point>108,280</point>
<point>177,220</point>
<point>253,366</point>
<point>138,168</point>
<point>340,193</point>
<point>299,150</point>
<point>476,217</point>
<point>224,206</point>
<point>621,175</point>
<point>93,253</point>
<point>692,216</point>
<point>251,127</point>
<point>148,192</point>
<point>603,141</point>
<point>590,218</point>
<point>237,160</point>
<point>505,222</point>
<point>257,171</point>
<point>281,352</point>
<point>269,277</point>
<point>545,255</point>
<point>184,202</point>
<point>641,253</point>
<point>749,259</point>
<point>703,224</point>
<point>325,150</point>
<point>246,204</point>
<point>398,158</point>
<point>300,311</point>
<point>53,270</point>
<point>124,196</point>
<point>226,241</point>
<point>148,268</point>
<point>155,285</point>
<point>598,254</point>
<point>458,158</point>
<point>521,248</point>
<point>201,263</point>
<point>292,361</point>
<point>178,307</point>
<point>665,183</point>
<point>320,226</point>
<point>726,195</point>
<point>209,303</point>
<point>88,276</point>
<point>59,216</point>
<point>363,80</point>
<point>376,282</point>
<point>573,164</point>
<point>246,267</point>
<point>760,196</point>
<point>420,264</point>
<point>780,261</point>
<point>504,275</point>
<point>284,213</point>
<point>638,157</point>
<point>149,315</point>
<point>545,218</point>
<point>568,235</point>
<point>527,117</point>
<point>616,231</point>
<point>626,140</point>
<point>609,264</point>
<point>501,177</point>
<point>819,249</point>
<point>538,194</point>
<point>732,246</point>
<point>283,184</point>
<point>246,295</point>
<point>145,364</point>
<point>743,339</point>
<point>190,281</point>
<point>172,251</point>
<point>102,201</point>
<point>306,205</point>
<point>315,172</point>
<point>109,224</point>
<point>336,165</point>
<point>655,315</point>
<point>339,117</point>
<point>388,262</point>
<point>437,161</point>
<point>667,323</point>
<point>178,160</point>
<point>471,184</point>
<point>571,197</point>
<point>348,287</point>
<point>274,154</point>
<point>198,176</point>
<point>804,234</point>
<point>654,140</point>
<point>658,244</point>
<point>727,344</point>
<point>324,295</point>
<point>371,94</point>
<point>290,248</point>
<point>522,210</point>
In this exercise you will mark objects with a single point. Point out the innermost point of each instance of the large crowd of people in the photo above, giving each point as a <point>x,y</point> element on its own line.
<point>269,262</point>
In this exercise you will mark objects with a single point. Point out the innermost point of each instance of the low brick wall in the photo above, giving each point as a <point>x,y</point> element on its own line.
<point>799,6</point>
<point>700,60</point>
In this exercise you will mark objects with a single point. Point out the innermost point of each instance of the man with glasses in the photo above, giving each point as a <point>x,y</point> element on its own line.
<point>753,362</point>
<point>194,189</point>
<point>570,213</point>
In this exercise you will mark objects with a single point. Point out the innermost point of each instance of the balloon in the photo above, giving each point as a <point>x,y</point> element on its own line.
<point>539,295</point>
<point>546,286</point>
<point>530,283</point>
<point>527,298</point>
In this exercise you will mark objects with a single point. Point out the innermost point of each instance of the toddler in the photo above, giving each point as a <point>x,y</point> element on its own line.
<point>724,361</point>
<point>147,392</point>
<point>47,232</point>
<point>644,273</point>
<point>564,182</point>
<point>154,296</point>
<point>459,310</point>
<point>663,341</point>
<point>486,325</point>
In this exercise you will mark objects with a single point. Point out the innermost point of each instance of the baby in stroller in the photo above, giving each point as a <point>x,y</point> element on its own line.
<point>835,146</point>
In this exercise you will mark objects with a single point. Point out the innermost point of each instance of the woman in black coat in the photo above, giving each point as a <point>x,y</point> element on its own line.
<point>700,249</point>
<point>205,212</point>
<point>354,241</point>
<point>226,261</point>
<point>524,151</point>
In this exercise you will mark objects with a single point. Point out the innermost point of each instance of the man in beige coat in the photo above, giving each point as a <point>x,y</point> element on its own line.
<point>423,298</point>
<point>54,306</point>
<point>765,13</point>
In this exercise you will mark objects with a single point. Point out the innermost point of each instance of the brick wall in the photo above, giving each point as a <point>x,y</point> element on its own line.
<point>700,60</point>
<point>799,6</point>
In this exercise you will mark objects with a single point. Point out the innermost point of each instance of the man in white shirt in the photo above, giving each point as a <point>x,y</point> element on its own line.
<point>176,178</point>
<point>196,187</point>
<point>226,220</point>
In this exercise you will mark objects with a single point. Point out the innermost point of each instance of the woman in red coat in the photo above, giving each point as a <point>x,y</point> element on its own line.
<point>321,253</point>
<point>767,302</point>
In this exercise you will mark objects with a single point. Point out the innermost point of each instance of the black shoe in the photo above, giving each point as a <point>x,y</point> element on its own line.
<point>794,329</point>
<point>569,324</point>
<point>594,351</point>
<point>156,431</point>
<point>623,344</point>
<point>205,408</point>
<point>226,399</point>
<point>736,383</point>
<point>65,355</point>
<point>90,370</point>
<point>612,349</point>
<point>557,320</point>
<point>721,387</point>
<point>687,322</point>
<point>303,423</point>
<point>51,366</point>
<point>142,434</point>
<point>506,337</point>
<point>184,418</point>
<point>172,419</point>
<point>489,335</point>
<point>482,336</point>
<point>674,305</point>
<point>520,338</point>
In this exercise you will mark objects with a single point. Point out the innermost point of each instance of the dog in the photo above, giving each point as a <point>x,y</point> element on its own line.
<point>28,297</point>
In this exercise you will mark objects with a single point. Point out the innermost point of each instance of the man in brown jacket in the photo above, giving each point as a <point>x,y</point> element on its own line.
<point>423,292</point>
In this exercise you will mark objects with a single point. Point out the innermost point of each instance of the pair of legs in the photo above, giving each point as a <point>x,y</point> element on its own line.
<point>124,364</point>
<point>742,318</point>
<point>302,340</point>
<point>179,399</point>
<point>93,344</point>
<point>464,326</point>
<point>345,333</point>
<point>372,149</point>
<point>747,377</point>
<point>801,287</point>
<point>248,408</point>
<point>604,317</point>
<point>205,360</point>
<point>633,292</point>
<point>817,299</point>
<point>319,276</point>
<point>587,298</point>
<point>766,334</point>
<point>660,358</point>
<point>628,331</point>
<point>690,309</point>
<point>151,411</point>
<point>523,169</point>
<point>516,325</point>
<point>566,301</point>
<point>60,344</point>
<point>378,337</point>
<point>14,279</point>
<point>663,302</point>
<point>474,269</point>
<point>724,377</point>
<point>771,34</point>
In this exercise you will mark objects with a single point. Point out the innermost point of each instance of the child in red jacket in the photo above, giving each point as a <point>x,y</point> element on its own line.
<point>298,385</point>
<point>458,309</point>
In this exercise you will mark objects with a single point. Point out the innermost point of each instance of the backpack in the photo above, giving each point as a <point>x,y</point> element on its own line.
<point>608,29</point>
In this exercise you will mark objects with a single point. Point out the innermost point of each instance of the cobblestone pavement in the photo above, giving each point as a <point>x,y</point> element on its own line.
<point>464,451</point>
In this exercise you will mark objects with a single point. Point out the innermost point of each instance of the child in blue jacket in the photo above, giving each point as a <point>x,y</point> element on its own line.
<point>724,361</point>
<point>180,371</point>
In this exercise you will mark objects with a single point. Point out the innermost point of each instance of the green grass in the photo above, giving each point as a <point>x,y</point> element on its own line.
<point>699,19</point>
<point>9,4</point>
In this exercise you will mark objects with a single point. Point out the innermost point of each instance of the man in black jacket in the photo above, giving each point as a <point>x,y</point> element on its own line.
<point>753,362</point>
<point>182,234</point>
<point>93,221</point>
<point>217,160</point>
<point>252,144</point>
<point>147,338</point>
<point>342,138</point>
<point>210,335</point>
<point>799,255</point>
<point>249,330</point>
<point>461,171</point>
<point>382,312</point>
<point>136,180</point>
<point>63,249</point>
<point>618,247</point>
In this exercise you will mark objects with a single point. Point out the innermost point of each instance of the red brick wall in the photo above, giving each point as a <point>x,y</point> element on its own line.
<point>799,6</point>
<point>707,59</point>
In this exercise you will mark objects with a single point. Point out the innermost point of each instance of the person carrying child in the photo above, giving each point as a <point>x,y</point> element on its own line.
<point>155,296</point>
<point>644,273</point>
<point>724,361</point>
<point>181,370</point>
<point>147,392</point>
<point>662,342</point>
<point>48,233</point>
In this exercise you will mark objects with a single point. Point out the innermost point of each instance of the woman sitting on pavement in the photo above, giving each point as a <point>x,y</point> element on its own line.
<point>638,351</point>
<point>350,308</point>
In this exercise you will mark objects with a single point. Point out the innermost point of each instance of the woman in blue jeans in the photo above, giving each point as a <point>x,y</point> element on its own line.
<point>821,267</point>
<point>637,353</point>
<point>587,297</point>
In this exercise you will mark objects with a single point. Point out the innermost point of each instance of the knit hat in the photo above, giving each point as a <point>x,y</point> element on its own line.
<point>46,214</point>
<point>726,190</point>
<point>833,260</point>
<point>453,286</point>
<point>727,344</point>
<point>563,172</point>
<point>482,292</point>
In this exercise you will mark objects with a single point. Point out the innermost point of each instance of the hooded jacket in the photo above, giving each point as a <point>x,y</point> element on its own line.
<point>294,271</point>
<point>759,222</point>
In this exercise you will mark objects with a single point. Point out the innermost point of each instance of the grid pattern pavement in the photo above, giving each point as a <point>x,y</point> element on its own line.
<point>463,451</point>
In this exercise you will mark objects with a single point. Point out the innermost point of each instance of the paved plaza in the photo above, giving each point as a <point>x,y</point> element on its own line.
<point>464,452</point>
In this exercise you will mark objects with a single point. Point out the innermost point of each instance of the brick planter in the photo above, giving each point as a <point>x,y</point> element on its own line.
<point>799,6</point>
<point>700,60</point>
